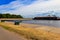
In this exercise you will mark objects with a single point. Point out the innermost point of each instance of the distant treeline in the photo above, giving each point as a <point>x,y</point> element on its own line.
<point>10,16</point>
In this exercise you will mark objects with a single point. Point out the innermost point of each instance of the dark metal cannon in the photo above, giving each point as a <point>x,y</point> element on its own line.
<point>2,20</point>
<point>17,22</point>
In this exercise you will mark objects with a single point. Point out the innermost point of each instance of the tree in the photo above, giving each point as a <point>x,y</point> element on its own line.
<point>10,16</point>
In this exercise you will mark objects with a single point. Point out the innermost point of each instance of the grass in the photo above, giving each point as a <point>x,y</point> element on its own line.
<point>31,33</point>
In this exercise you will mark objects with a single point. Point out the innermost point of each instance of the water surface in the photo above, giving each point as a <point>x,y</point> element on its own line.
<point>55,23</point>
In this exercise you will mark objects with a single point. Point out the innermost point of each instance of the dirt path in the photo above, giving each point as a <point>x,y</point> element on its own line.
<point>7,35</point>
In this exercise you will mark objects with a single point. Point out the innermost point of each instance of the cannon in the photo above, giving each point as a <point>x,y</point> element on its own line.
<point>17,22</point>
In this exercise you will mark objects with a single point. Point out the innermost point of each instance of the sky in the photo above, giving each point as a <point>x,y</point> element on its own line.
<point>30,8</point>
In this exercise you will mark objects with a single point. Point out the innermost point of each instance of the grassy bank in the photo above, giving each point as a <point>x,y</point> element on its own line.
<point>31,33</point>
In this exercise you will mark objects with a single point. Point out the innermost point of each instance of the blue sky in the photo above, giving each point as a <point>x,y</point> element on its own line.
<point>30,8</point>
<point>25,2</point>
<point>3,2</point>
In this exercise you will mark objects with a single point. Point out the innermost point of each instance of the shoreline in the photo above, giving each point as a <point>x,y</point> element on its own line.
<point>43,27</point>
<point>28,32</point>
<point>38,27</point>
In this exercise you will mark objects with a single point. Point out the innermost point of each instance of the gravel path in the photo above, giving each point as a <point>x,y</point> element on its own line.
<point>7,35</point>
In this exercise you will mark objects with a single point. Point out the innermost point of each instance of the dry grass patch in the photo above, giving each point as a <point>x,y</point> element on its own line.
<point>31,33</point>
<point>51,29</point>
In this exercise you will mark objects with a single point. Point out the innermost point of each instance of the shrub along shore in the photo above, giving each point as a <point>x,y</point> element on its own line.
<point>8,15</point>
<point>31,33</point>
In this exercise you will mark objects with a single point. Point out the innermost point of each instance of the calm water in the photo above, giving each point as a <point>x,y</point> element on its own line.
<point>55,23</point>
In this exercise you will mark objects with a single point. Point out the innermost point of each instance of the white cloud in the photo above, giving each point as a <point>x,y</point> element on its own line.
<point>43,6</point>
<point>32,9</point>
